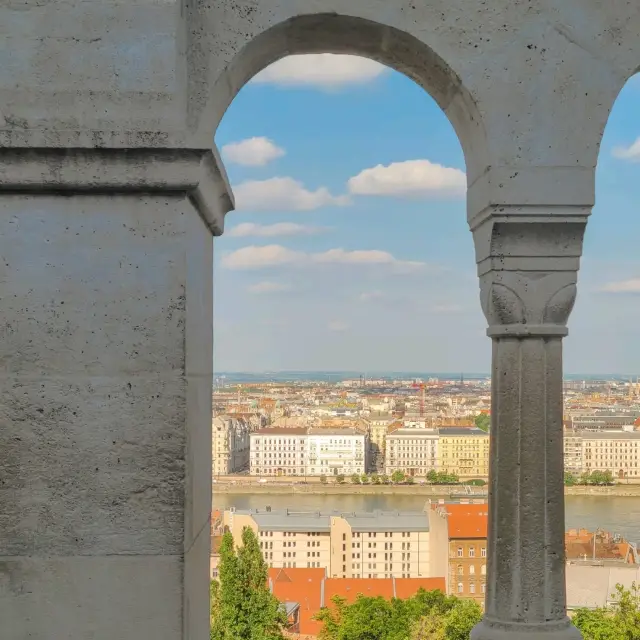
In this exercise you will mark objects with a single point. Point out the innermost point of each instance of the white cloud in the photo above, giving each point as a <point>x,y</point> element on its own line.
<point>628,153</point>
<point>252,152</point>
<point>322,70</point>
<point>623,286</point>
<point>284,194</point>
<point>268,287</point>
<point>373,256</point>
<point>272,230</point>
<point>370,295</point>
<point>337,325</point>
<point>254,257</point>
<point>412,178</point>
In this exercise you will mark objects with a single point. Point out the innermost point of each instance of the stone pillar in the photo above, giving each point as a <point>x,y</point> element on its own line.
<point>105,391</point>
<point>527,264</point>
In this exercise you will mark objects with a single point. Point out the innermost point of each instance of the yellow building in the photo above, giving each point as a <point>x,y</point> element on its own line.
<point>463,451</point>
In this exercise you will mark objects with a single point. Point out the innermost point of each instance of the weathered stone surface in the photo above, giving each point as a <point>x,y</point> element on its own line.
<point>107,115</point>
<point>102,598</point>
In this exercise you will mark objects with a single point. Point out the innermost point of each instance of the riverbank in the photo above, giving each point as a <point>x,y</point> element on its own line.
<point>432,491</point>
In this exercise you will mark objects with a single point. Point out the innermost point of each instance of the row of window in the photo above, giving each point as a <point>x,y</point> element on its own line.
<point>472,552</point>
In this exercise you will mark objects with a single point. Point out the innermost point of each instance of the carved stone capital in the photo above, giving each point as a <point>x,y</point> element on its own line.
<point>528,267</point>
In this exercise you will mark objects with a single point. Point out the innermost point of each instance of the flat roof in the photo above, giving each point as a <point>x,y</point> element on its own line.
<point>359,521</point>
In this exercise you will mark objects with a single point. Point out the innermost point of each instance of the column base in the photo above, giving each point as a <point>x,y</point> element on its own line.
<point>495,630</point>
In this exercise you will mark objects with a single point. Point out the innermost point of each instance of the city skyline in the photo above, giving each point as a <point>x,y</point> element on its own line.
<point>349,249</point>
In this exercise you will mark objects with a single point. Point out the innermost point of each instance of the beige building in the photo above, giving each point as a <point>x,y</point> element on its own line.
<point>379,423</point>
<point>615,451</point>
<point>413,451</point>
<point>464,451</point>
<point>278,451</point>
<point>229,444</point>
<point>348,545</point>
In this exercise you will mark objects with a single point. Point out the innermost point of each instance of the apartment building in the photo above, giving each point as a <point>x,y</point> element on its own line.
<point>278,451</point>
<point>464,451</point>
<point>348,545</point>
<point>379,423</point>
<point>602,420</point>
<point>458,537</point>
<point>615,451</point>
<point>334,452</point>
<point>413,451</point>
<point>230,444</point>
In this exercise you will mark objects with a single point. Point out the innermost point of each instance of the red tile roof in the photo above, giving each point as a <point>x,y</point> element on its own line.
<point>350,588</point>
<point>467,520</point>
<point>408,587</point>
<point>312,590</point>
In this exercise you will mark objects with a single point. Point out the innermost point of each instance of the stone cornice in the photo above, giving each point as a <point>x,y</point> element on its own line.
<point>198,173</point>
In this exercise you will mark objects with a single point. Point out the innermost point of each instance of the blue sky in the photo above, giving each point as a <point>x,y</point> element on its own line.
<point>350,250</point>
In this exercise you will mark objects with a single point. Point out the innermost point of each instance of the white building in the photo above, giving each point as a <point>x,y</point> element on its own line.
<point>278,451</point>
<point>333,452</point>
<point>413,451</point>
<point>608,450</point>
<point>229,444</point>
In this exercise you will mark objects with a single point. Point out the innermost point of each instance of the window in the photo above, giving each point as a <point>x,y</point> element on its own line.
<point>483,552</point>
<point>472,588</point>
<point>459,552</point>
<point>483,569</point>
<point>460,587</point>
<point>472,570</point>
<point>472,552</point>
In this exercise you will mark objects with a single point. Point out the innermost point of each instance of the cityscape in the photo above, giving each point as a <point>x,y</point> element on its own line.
<point>317,470</point>
<point>319,320</point>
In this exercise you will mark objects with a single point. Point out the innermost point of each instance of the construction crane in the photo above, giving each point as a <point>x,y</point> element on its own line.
<point>421,386</point>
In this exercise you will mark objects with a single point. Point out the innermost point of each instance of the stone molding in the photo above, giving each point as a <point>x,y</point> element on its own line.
<point>528,268</point>
<point>198,173</point>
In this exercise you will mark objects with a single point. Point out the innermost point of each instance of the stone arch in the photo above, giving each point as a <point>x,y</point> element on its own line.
<point>334,33</point>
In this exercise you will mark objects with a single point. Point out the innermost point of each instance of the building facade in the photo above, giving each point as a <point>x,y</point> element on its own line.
<point>333,452</point>
<point>348,545</point>
<point>278,451</point>
<point>459,542</point>
<point>464,451</point>
<point>412,451</point>
<point>614,451</point>
<point>230,444</point>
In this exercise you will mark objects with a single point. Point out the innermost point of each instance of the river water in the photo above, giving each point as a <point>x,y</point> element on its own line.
<point>617,515</point>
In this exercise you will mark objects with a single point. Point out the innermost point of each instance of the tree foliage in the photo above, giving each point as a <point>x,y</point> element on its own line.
<point>596,477</point>
<point>620,621</point>
<point>442,477</point>
<point>429,615</point>
<point>397,476</point>
<point>243,608</point>
<point>483,421</point>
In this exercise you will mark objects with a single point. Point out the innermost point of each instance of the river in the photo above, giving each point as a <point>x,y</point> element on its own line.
<point>617,515</point>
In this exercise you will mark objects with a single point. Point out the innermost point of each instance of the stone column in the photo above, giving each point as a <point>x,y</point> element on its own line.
<point>105,391</point>
<point>527,264</point>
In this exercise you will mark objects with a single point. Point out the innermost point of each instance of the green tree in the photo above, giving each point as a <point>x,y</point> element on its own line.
<point>340,478</point>
<point>397,476</point>
<point>375,478</point>
<point>483,421</point>
<point>432,476</point>
<point>459,621</point>
<point>364,478</point>
<point>597,624</point>
<point>355,478</point>
<point>409,479</point>
<point>384,478</point>
<point>620,621</point>
<point>569,479</point>
<point>244,608</point>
